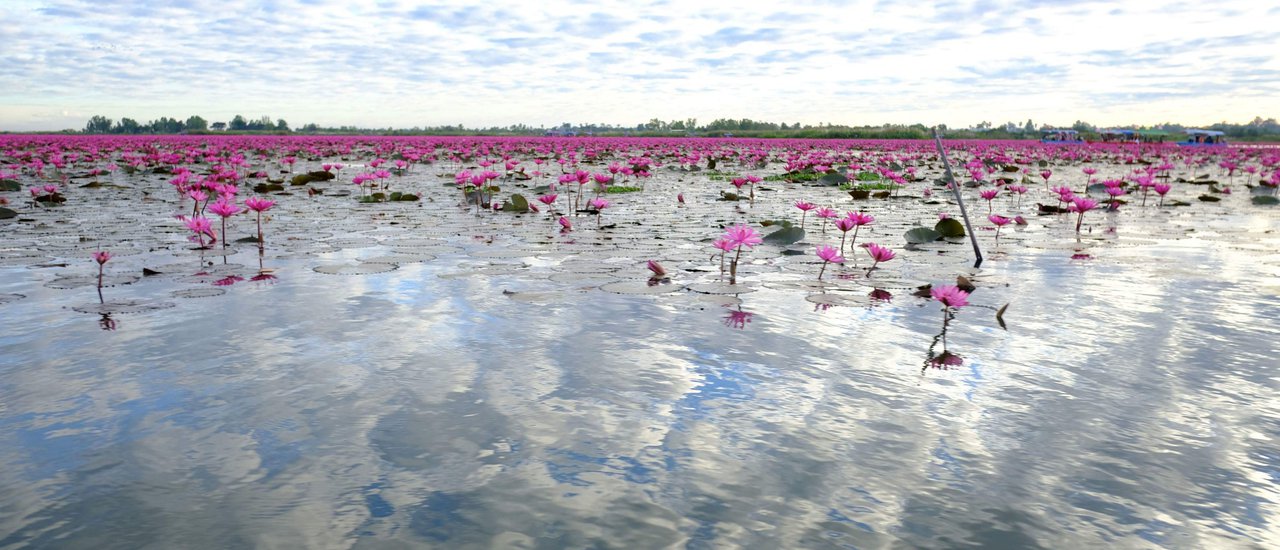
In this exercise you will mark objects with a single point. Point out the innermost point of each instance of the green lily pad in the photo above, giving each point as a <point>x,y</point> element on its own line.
<point>833,179</point>
<point>785,236</point>
<point>10,185</point>
<point>517,203</point>
<point>1265,200</point>
<point>922,235</point>
<point>949,227</point>
<point>6,213</point>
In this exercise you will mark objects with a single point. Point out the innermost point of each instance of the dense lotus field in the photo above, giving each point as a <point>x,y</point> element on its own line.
<point>574,342</point>
<point>708,216</point>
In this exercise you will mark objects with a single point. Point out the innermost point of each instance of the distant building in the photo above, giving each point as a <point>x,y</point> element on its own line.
<point>218,126</point>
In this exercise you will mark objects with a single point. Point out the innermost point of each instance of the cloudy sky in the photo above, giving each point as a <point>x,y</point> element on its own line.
<point>404,63</point>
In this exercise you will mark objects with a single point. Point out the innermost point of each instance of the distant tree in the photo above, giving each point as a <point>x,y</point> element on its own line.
<point>164,125</point>
<point>239,124</point>
<point>127,126</point>
<point>196,124</point>
<point>281,125</point>
<point>219,126</point>
<point>1029,127</point>
<point>98,125</point>
<point>1082,126</point>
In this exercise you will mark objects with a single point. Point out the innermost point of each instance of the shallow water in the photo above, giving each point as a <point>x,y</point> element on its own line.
<point>488,393</point>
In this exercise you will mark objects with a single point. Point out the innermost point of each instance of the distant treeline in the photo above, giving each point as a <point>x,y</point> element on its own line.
<point>1257,129</point>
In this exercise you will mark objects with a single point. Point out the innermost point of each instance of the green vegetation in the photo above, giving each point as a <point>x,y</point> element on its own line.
<point>1258,129</point>
<point>612,189</point>
<point>717,175</point>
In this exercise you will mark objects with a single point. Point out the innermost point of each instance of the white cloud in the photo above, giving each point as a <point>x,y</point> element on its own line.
<point>405,64</point>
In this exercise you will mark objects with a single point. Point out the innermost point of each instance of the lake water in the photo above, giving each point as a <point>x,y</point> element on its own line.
<point>483,380</point>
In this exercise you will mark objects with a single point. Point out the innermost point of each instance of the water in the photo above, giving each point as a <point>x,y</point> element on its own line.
<point>1128,404</point>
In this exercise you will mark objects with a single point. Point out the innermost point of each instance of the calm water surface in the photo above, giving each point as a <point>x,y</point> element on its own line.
<point>1129,404</point>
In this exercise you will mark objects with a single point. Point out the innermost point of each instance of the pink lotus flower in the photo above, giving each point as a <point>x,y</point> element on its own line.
<point>564,224</point>
<point>259,205</point>
<point>804,207</point>
<point>656,268</point>
<point>224,208</point>
<point>951,296</point>
<point>829,254</point>
<point>742,235</point>
<point>201,226</point>
<point>879,254</point>
<point>739,236</point>
<point>101,256</point>
<point>999,221</point>
<point>1080,205</point>
<point>724,245</point>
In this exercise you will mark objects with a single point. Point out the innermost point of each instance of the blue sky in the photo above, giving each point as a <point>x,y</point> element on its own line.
<point>403,64</point>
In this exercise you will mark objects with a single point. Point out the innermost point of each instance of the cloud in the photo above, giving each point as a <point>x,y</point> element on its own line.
<point>329,62</point>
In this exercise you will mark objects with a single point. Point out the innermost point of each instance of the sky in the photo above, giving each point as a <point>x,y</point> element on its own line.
<point>494,63</point>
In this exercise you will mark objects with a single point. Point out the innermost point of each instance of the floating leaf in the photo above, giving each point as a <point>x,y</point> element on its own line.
<point>963,283</point>
<point>922,235</point>
<point>1265,200</point>
<point>1000,316</point>
<point>10,185</point>
<point>318,175</point>
<point>1097,189</point>
<point>949,227</point>
<point>517,203</point>
<point>785,236</point>
<point>1209,198</point>
<point>6,213</point>
<point>833,179</point>
<point>859,194</point>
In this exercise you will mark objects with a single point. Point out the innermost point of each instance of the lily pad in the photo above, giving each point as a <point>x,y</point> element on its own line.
<point>122,307</point>
<point>949,227</point>
<point>921,235</point>
<point>1265,200</point>
<point>6,213</point>
<point>785,236</point>
<point>833,179</point>
<point>517,203</point>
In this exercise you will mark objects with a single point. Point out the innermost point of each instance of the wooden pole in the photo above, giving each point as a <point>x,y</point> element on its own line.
<point>955,187</point>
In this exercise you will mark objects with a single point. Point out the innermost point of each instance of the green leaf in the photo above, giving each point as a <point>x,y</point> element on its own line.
<point>6,213</point>
<point>949,227</point>
<point>833,179</point>
<point>517,203</point>
<point>407,197</point>
<point>922,235</point>
<point>1265,200</point>
<point>785,236</point>
<point>1097,189</point>
<point>1209,198</point>
<point>10,185</point>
